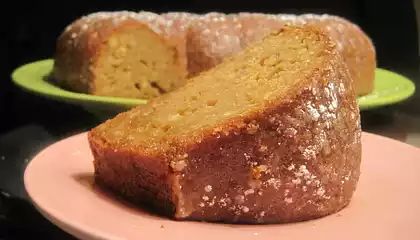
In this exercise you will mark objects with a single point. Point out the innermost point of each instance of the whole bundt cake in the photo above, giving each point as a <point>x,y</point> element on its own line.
<point>145,54</point>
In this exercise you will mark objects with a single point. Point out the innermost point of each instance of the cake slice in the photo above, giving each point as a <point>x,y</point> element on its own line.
<point>269,135</point>
<point>118,54</point>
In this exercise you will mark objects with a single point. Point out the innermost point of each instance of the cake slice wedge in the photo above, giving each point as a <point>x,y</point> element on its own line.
<point>270,135</point>
<point>119,54</point>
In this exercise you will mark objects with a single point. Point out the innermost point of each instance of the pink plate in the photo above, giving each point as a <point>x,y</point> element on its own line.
<point>386,204</point>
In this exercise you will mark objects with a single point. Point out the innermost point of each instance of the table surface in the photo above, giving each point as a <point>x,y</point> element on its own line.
<point>18,218</point>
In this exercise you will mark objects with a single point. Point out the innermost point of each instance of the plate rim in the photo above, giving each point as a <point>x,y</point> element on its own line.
<point>84,231</point>
<point>75,229</point>
<point>404,94</point>
<point>62,94</point>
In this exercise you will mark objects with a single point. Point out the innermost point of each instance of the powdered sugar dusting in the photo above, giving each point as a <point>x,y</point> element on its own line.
<point>249,191</point>
<point>216,36</point>
<point>274,182</point>
<point>208,188</point>
<point>312,112</point>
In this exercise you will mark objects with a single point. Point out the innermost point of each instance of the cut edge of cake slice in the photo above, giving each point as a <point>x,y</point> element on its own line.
<point>118,54</point>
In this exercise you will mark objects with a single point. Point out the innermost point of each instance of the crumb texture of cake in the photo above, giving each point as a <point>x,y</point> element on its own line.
<point>271,135</point>
<point>119,54</point>
<point>114,54</point>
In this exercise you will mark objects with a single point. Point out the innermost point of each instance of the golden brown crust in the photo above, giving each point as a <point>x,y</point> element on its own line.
<point>122,171</point>
<point>296,159</point>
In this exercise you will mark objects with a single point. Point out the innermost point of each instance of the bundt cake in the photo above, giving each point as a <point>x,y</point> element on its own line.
<point>185,44</point>
<point>270,135</point>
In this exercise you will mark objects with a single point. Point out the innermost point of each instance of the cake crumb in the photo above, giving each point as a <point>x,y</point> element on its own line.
<point>262,168</point>
<point>245,209</point>
<point>252,128</point>
<point>178,166</point>
<point>208,188</point>
<point>256,171</point>
<point>320,191</point>
<point>224,202</point>
<point>162,226</point>
<point>313,112</point>
<point>296,181</point>
<point>184,156</point>
<point>5,194</point>
<point>290,132</point>
<point>309,152</point>
<point>262,148</point>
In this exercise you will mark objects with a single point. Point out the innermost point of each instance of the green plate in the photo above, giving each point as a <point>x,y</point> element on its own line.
<point>390,88</point>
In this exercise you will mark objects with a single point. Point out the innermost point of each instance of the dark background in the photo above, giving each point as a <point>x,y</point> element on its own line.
<point>29,30</point>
